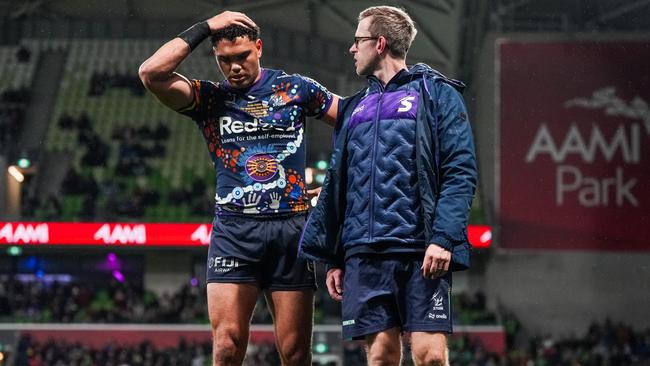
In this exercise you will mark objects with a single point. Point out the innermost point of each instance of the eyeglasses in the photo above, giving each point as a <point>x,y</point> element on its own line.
<point>358,40</point>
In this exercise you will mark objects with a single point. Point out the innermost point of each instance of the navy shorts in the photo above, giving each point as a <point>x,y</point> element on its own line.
<point>259,250</point>
<point>380,293</point>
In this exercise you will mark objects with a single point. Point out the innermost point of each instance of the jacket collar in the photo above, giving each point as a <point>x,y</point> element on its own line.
<point>402,77</point>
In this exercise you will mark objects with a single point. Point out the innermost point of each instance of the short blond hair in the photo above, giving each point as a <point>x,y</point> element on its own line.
<point>394,24</point>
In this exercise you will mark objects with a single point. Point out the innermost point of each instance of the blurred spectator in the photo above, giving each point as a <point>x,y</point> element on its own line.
<point>196,196</point>
<point>13,104</point>
<point>100,82</point>
<point>472,309</point>
<point>75,183</point>
<point>23,54</point>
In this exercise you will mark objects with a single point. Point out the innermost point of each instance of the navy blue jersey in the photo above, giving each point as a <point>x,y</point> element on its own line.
<point>256,139</point>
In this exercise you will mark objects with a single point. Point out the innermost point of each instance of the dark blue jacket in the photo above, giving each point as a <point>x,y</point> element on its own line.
<point>402,173</point>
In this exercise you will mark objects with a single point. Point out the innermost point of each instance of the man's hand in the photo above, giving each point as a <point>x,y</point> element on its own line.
<point>436,261</point>
<point>227,18</point>
<point>334,282</point>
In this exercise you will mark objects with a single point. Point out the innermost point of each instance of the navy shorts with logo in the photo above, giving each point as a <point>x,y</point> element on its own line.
<point>382,292</point>
<point>259,250</point>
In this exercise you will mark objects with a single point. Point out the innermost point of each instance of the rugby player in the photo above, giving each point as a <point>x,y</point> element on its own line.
<point>253,124</point>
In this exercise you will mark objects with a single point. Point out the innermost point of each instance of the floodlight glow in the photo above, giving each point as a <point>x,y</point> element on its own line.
<point>14,172</point>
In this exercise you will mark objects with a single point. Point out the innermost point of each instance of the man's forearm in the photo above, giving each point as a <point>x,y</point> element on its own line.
<point>162,64</point>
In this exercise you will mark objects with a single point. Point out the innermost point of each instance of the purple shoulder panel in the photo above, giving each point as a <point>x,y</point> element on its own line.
<point>394,105</point>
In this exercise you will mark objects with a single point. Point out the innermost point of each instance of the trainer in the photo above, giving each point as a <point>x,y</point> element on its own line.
<point>392,217</point>
<point>253,125</point>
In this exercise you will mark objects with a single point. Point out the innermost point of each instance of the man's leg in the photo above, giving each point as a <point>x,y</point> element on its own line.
<point>230,307</point>
<point>429,349</point>
<point>292,313</point>
<point>384,348</point>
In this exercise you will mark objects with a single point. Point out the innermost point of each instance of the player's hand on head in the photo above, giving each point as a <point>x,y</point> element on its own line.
<point>436,261</point>
<point>334,283</point>
<point>227,18</point>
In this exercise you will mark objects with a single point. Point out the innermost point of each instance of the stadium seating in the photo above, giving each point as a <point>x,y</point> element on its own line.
<point>186,159</point>
<point>15,74</point>
<point>17,66</point>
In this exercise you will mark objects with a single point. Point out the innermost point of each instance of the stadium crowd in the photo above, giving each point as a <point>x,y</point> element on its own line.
<point>100,82</point>
<point>125,302</point>
<point>604,344</point>
<point>61,353</point>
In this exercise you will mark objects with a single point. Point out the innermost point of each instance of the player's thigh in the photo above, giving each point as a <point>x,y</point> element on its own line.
<point>292,313</point>
<point>230,306</point>
<point>282,268</point>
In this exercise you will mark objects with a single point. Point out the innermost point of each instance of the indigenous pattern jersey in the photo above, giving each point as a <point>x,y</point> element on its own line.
<point>256,139</point>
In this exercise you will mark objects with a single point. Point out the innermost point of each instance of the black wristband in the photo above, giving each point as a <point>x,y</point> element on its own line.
<point>195,34</point>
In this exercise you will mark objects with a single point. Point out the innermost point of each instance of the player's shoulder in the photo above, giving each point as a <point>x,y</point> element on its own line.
<point>207,85</point>
<point>273,74</point>
<point>283,76</point>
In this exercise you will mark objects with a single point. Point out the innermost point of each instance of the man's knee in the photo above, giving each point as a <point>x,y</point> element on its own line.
<point>384,349</point>
<point>296,357</point>
<point>379,357</point>
<point>429,356</point>
<point>295,351</point>
<point>229,346</point>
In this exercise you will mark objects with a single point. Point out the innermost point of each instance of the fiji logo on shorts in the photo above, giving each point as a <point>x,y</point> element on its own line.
<point>221,264</point>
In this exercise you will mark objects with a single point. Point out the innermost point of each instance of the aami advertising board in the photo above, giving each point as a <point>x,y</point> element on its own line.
<point>573,159</point>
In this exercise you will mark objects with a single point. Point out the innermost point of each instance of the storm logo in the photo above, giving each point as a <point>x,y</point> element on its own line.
<point>437,299</point>
<point>261,167</point>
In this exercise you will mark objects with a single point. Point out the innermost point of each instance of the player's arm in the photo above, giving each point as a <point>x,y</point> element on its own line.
<point>158,75</point>
<point>330,115</point>
<point>318,101</point>
<point>158,71</point>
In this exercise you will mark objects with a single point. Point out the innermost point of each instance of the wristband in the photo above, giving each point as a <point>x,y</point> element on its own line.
<point>195,34</point>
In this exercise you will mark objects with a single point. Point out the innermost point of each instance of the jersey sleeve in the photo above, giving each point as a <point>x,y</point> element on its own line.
<point>205,99</point>
<point>316,98</point>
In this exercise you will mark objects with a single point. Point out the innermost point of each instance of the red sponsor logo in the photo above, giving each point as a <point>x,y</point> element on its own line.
<point>26,233</point>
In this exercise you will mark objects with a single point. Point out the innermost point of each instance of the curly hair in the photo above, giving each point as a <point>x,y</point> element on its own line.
<point>233,31</point>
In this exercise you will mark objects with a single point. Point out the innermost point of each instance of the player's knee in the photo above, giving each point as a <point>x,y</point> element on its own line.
<point>383,359</point>
<point>295,353</point>
<point>384,348</point>
<point>229,346</point>
<point>384,356</point>
<point>429,357</point>
<point>296,357</point>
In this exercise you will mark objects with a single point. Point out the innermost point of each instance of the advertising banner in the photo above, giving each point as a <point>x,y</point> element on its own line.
<point>573,160</point>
